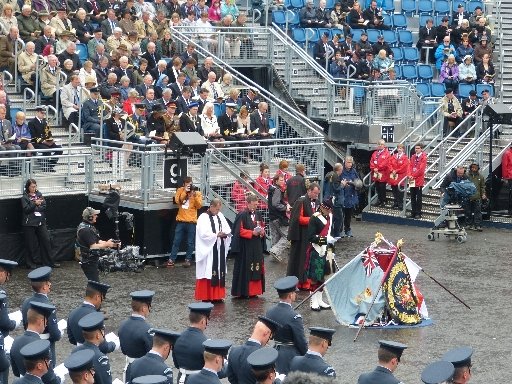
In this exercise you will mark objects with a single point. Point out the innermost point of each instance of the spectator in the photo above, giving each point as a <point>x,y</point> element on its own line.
<point>263,181</point>
<point>278,219</point>
<point>151,55</point>
<point>23,137</point>
<point>486,98</point>
<point>461,32</point>
<point>85,72</point>
<point>206,68</point>
<point>335,43</point>
<point>373,15</point>
<point>259,121</point>
<point>322,15</point>
<point>7,20</point>
<point>91,113</point>
<point>485,72</point>
<point>228,7</point>
<point>363,45</point>
<point>102,70</point>
<point>83,28</point>
<point>449,74</point>
<point>70,53</point>
<point>188,122</point>
<point>7,50</point>
<point>177,86</point>
<point>145,27</point>
<point>140,73</point>
<point>459,16</point>
<point>452,112</point>
<point>62,43</point>
<point>351,194</point>
<point>115,40</point>
<point>189,201</point>
<point>356,18</point>
<point>296,185</point>
<point>214,87</point>
<point>44,40</point>
<point>94,41</point>
<point>307,15</point>
<point>8,143</point>
<point>399,168</point>
<point>463,50</point>
<point>67,69</point>
<point>481,49</point>
<point>467,71</point>
<point>27,63</point>
<point>506,174</point>
<point>70,100</point>
<point>209,123</point>
<point>427,38</point>
<point>473,208</point>
<point>50,78</point>
<point>322,50</point>
<point>334,191</point>
<point>60,22</point>
<point>251,100</point>
<point>443,51</point>
<point>109,87</point>
<point>27,25</point>
<point>338,18</point>
<point>239,192</point>
<point>243,121</point>
<point>481,31</point>
<point>215,13</point>
<point>184,100</point>
<point>337,67</point>
<point>109,25</point>
<point>476,16</point>
<point>381,44</point>
<point>42,138</point>
<point>142,8</point>
<point>443,30</point>
<point>362,69</point>
<point>456,175</point>
<point>383,64</point>
<point>232,42</point>
<point>126,23</point>
<point>150,100</point>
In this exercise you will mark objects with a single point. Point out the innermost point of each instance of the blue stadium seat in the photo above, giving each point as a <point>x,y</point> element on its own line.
<point>442,7</point>
<point>298,4</point>
<point>455,5</point>
<point>321,31</point>
<point>398,54</point>
<point>81,50</point>
<point>409,72</point>
<point>437,89</point>
<point>411,55</point>
<point>423,89</point>
<point>481,87</point>
<point>299,36</point>
<point>464,90</point>
<point>386,18</point>
<point>390,37</point>
<point>271,123</point>
<point>329,4</point>
<point>399,21</point>
<point>337,31</point>
<point>219,109</point>
<point>425,73</point>
<point>424,18</point>
<point>279,18</point>
<point>293,18</point>
<point>425,7</point>
<point>473,4</point>
<point>312,35</point>
<point>287,4</point>
<point>438,19</point>
<point>408,7</point>
<point>398,71</point>
<point>405,38</point>
<point>372,35</point>
<point>356,34</point>
<point>388,6</point>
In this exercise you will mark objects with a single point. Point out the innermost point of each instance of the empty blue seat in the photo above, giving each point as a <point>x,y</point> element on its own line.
<point>386,19</point>
<point>411,54</point>
<point>442,7</point>
<point>464,90</point>
<point>408,7</point>
<point>398,71</point>
<point>390,37</point>
<point>356,34</point>
<point>293,18</point>
<point>312,35</point>
<point>388,6</point>
<point>405,38</point>
<point>423,89</point>
<point>409,72</point>
<point>279,18</point>
<point>299,36</point>
<point>481,87</point>
<point>398,55</point>
<point>372,35</point>
<point>337,31</point>
<point>437,89</point>
<point>424,18</point>
<point>298,4</point>
<point>329,4</point>
<point>399,21</point>
<point>425,7</point>
<point>473,4</point>
<point>425,73</point>
<point>81,50</point>
<point>321,31</point>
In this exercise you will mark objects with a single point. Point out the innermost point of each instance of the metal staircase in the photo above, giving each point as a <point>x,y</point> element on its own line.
<point>503,12</point>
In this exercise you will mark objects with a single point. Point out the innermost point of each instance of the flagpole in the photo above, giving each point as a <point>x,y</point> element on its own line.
<point>446,289</point>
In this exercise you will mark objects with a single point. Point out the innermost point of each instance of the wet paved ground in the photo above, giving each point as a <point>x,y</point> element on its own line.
<point>478,271</point>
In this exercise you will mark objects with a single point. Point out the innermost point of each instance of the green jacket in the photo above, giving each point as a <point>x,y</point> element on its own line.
<point>479,181</point>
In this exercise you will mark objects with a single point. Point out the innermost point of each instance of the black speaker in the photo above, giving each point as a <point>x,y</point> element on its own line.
<point>499,113</point>
<point>188,143</point>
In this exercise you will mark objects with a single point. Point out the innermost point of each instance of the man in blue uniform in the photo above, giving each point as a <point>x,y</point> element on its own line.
<point>239,370</point>
<point>151,379</point>
<point>215,351</point>
<point>289,339</point>
<point>95,293</point>
<point>41,285</point>
<point>80,367</point>
<point>37,316</point>
<point>438,372</point>
<point>153,363</point>
<point>93,330</point>
<point>389,354</point>
<point>37,362</point>
<point>6,324</point>
<point>187,353</point>
<point>262,365</point>
<point>320,340</point>
<point>461,359</point>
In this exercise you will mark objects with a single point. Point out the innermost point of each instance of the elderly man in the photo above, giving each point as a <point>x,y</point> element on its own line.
<point>49,77</point>
<point>109,25</point>
<point>70,53</point>
<point>144,26</point>
<point>151,55</point>
<point>60,22</point>
<point>259,121</point>
<point>7,49</point>
<point>96,40</point>
<point>123,69</point>
<point>99,54</point>
<point>115,39</point>
<point>44,40</point>
<point>148,84</point>
<point>70,99</point>
<point>27,24</point>
<point>109,86</point>
<point>214,87</point>
<point>27,63</point>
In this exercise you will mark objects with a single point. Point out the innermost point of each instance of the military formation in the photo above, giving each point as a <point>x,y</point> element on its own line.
<point>196,358</point>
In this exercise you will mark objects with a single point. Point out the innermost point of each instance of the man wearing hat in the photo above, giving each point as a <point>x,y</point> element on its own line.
<point>134,334</point>
<point>389,354</point>
<point>187,353</point>
<point>262,365</point>
<point>250,100</point>
<point>319,342</point>
<point>469,105</point>
<point>322,50</point>
<point>452,112</point>
<point>91,113</point>
<point>153,363</point>
<point>381,44</point>
<point>38,315</point>
<point>318,262</point>
<point>7,324</point>
<point>90,244</point>
<point>228,123</point>
<point>188,122</point>
<point>486,98</point>
<point>95,293</point>
<point>171,119</point>
<point>42,137</point>
<point>289,338</point>
<point>60,21</point>
<point>93,331</point>
<point>37,360</point>
<point>239,369</point>
<point>460,357</point>
<point>80,366</point>
<point>215,351</point>
<point>94,41</point>
<point>459,15</point>
<point>41,285</point>
<point>438,372</point>
<point>156,124</point>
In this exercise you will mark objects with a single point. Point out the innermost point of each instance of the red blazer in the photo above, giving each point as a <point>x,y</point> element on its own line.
<point>400,166</point>
<point>262,188</point>
<point>417,168</point>
<point>506,164</point>
<point>381,162</point>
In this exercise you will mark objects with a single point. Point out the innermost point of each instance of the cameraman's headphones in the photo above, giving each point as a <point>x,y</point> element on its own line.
<point>88,214</point>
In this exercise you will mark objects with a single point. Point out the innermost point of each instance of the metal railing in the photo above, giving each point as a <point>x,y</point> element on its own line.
<point>18,43</point>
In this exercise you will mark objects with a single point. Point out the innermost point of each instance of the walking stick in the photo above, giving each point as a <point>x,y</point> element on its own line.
<point>447,290</point>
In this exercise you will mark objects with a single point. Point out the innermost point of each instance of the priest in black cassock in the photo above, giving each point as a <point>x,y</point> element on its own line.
<point>248,245</point>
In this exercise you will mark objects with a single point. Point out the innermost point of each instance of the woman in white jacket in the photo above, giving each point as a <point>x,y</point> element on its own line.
<point>467,70</point>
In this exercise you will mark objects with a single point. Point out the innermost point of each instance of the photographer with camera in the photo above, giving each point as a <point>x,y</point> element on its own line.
<point>90,245</point>
<point>189,200</point>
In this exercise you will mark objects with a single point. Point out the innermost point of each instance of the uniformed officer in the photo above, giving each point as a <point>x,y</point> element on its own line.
<point>41,285</point>
<point>95,294</point>
<point>93,331</point>
<point>289,339</point>
<point>188,350</point>
<point>6,324</point>
<point>239,370</point>
<point>37,362</point>
<point>438,372</point>
<point>262,364</point>
<point>215,351</point>
<point>80,367</point>
<point>37,316</point>
<point>461,359</point>
<point>389,354</point>
<point>153,363</point>
<point>320,340</point>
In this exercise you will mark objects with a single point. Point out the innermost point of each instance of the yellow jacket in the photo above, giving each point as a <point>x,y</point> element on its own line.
<point>188,213</point>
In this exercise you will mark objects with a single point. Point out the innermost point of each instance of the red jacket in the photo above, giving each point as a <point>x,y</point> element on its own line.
<point>380,160</point>
<point>261,186</point>
<point>417,167</point>
<point>506,164</point>
<point>400,166</point>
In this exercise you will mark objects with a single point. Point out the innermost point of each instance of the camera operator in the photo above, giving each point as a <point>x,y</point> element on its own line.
<point>90,244</point>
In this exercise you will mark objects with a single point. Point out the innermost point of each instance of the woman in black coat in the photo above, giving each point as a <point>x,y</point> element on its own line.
<point>84,29</point>
<point>36,234</point>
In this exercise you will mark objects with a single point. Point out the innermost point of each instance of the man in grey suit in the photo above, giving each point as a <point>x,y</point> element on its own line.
<point>108,25</point>
<point>70,99</point>
<point>259,121</point>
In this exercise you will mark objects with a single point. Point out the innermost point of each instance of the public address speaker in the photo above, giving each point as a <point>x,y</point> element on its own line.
<point>188,143</point>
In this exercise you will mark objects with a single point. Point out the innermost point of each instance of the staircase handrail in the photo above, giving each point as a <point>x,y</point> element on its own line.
<point>39,66</point>
<point>497,157</point>
<point>10,78</point>
<point>26,100</point>
<point>318,131</point>
<point>17,44</point>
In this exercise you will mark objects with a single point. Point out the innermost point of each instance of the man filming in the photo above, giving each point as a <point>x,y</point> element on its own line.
<point>90,244</point>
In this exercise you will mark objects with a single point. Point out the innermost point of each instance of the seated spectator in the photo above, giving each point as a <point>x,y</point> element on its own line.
<point>151,55</point>
<point>467,71</point>
<point>243,121</point>
<point>214,87</point>
<point>161,23</point>
<point>209,124</point>
<point>134,58</point>
<point>123,69</point>
<point>67,69</point>
<point>20,128</point>
<point>251,100</point>
<point>348,46</point>
<point>147,84</point>
<point>87,71</point>
<point>459,33</point>
<point>109,86</point>
<point>381,44</point>
<point>83,28</point>
<point>94,41</point>
<point>335,43</point>
<point>175,20</point>
<point>364,67</point>
<point>168,44</point>
<point>338,18</point>
<point>161,69</point>
<point>144,26</point>
<point>452,112</point>
<point>482,49</point>
<point>383,64</point>
<point>160,85</point>
<point>201,8</point>
<point>70,53</point>
<point>27,25</point>
<point>486,98</point>
<point>228,124</point>
<point>233,97</point>
<point>130,103</point>
<point>99,54</point>
<point>63,42</point>
<point>307,15</point>
<point>140,72</point>
<point>142,8</point>
<point>189,23</point>
<point>355,17</point>
<point>127,24</point>
<point>131,40</point>
<point>449,74</point>
<point>7,49</point>
<point>427,38</point>
<point>476,16</point>
<point>463,50</point>
<point>469,105</point>
<point>337,67</point>
<point>322,15</point>
<point>485,72</point>
<point>186,7</point>
<point>206,37</point>
<point>373,15</point>
<point>114,40</point>
<point>60,21</point>
<point>215,13</point>
<point>322,50</point>
<point>27,63</point>
<point>124,88</point>
<point>44,40</point>
<point>42,138</point>
<point>459,16</point>
<point>50,77</point>
<point>91,113</point>
<point>166,97</point>
<point>263,181</point>
<point>70,100</point>
<point>7,20</point>
<point>443,29</point>
<point>102,70</point>
<point>188,122</point>
<point>7,140</point>
<point>259,122</point>
<point>178,85</point>
<point>480,31</point>
<point>150,100</point>
<point>228,7</point>
<point>443,51</point>
<point>195,84</point>
<point>190,69</point>
<point>363,45</point>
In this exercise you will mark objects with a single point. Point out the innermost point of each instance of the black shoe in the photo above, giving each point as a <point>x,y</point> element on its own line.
<point>418,216</point>
<point>31,266</point>
<point>412,216</point>
<point>55,265</point>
